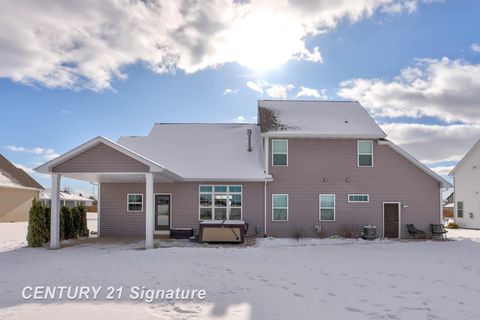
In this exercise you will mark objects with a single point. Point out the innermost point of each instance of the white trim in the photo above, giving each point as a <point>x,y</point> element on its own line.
<point>266,148</point>
<point>128,202</point>
<point>154,167</point>
<point>273,207</point>
<point>171,208</point>
<point>279,165</point>
<point>399,217</point>
<point>364,154</point>
<point>265,208</point>
<point>444,183</point>
<point>16,187</point>
<point>320,207</point>
<point>358,194</point>
<point>463,209</point>
<point>55,212</point>
<point>293,135</point>
<point>149,210</point>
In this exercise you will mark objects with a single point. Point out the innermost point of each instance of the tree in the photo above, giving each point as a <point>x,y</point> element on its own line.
<point>37,227</point>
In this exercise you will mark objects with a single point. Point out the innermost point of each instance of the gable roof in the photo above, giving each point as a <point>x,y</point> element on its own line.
<point>322,119</point>
<point>67,196</point>
<point>465,157</point>
<point>154,167</point>
<point>14,177</point>
<point>203,151</point>
<point>443,182</point>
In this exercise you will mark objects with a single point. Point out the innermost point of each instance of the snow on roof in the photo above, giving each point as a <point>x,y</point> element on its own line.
<point>335,119</point>
<point>198,151</point>
<point>47,195</point>
<point>7,180</point>
<point>13,177</point>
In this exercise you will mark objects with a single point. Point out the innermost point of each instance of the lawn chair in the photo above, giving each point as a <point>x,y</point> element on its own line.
<point>439,231</point>
<point>414,232</point>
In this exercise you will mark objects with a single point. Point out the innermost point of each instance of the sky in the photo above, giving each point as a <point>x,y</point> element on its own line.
<point>74,70</point>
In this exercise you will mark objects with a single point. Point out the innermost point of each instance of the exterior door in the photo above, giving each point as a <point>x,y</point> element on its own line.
<point>163,206</point>
<point>390,216</point>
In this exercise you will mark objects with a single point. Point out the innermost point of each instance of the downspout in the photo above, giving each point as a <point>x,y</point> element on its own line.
<point>265,209</point>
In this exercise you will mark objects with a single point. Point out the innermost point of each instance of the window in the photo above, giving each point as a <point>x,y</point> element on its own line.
<point>358,198</point>
<point>365,153</point>
<point>280,207</point>
<point>280,152</point>
<point>220,202</point>
<point>459,209</point>
<point>327,207</point>
<point>135,202</point>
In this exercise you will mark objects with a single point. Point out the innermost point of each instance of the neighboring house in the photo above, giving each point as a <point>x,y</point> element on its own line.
<point>17,190</point>
<point>305,165</point>
<point>466,177</point>
<point>448,206</point>
<point>67,198</point>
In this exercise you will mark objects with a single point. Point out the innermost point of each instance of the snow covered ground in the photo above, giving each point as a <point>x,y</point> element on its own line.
<point>274,279</point>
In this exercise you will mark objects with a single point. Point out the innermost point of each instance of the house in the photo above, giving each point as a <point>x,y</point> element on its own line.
<point>466,175</point>
<point>67,199</point>
<point>313,167</point>
<point>17,190</point>
<point>448,206</point>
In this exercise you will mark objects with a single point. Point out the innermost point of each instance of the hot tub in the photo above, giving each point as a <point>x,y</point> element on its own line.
<point>222,231</point>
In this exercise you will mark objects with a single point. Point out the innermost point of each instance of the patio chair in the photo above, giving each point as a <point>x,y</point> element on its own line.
<point>439,231</point>
<point>414,232</point>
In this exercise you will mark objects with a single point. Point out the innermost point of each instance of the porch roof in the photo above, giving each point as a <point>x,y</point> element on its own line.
<point>89,170</point>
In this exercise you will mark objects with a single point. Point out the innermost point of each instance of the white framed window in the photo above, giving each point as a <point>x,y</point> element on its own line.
<point>327,207</point>
<point>279,207</point>
<point>362,198</point>
<point>365,153</point>
<point>459,209</point>
<point>135,202</point>
<point>220,202</point>
<point>279,152</point>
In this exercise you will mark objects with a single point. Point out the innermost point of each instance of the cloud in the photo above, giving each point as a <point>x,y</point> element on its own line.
<point>81,44</point>
<point>276,91</point>
<point>255,86</point>
<point>442,88</point>
<point>239,119</point>
<point>475,47</point>
<point>230,91</point>
<point>434,143</point>
<point>443,171</point>
<point>314,93</point>
<point>279,91</point>
<point>46,153</point>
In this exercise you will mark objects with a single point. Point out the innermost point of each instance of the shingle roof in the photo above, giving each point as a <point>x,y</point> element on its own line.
<point>203,151</point>
<point>307,118</point>
<point>13,177</point>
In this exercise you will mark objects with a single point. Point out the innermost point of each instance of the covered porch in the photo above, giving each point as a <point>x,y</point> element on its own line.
<point>103,161</point>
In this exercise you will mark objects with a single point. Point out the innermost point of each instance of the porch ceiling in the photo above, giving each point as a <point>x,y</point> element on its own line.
<point>116,177</point>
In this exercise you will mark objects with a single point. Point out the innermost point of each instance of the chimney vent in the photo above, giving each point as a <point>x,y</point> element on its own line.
<point>249,134</point>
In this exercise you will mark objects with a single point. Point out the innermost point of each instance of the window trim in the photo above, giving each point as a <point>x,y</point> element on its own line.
<point>369,154</point>
<point>213,193</point>
<point>463,209</point>
<point>273,153</point>
<point>287,207</point>
<point>128,202</point>
<point>320,206</point>
<point>358,194</point>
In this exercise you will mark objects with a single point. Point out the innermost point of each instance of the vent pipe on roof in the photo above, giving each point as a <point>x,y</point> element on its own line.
<point>249,134</point>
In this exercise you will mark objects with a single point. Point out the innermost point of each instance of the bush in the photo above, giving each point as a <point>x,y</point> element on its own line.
<point>66,221</point>
<point>37,226</point>
<point>297,233</point>
<point>83,229</point>
<point>76,219</point>
<point>452,225</point>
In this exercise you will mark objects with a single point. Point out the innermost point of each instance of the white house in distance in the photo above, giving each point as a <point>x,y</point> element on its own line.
<point>67,198</point>
<point>466,177</point>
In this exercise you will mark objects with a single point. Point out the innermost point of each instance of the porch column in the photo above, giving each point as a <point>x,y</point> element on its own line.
<point>149,208</point>
<point>55,212</point>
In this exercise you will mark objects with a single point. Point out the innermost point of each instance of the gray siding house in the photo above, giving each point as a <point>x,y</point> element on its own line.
<point>314,167</point>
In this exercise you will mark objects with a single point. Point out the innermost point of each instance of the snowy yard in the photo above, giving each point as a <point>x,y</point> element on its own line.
<point>275,279</point>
